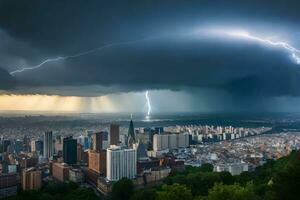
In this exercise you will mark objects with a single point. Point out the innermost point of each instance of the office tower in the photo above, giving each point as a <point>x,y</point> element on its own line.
<point>18,146</point>
<point>58,144</point>
<point>26,144</point>
<point>60,171</point>
<point>31,179</point>
<point>5,145</point>
<point>84,141</point>
<point>70,150</point>
<point>131,135</point>
<point>97,161</point>
<point>48,145</point>
<point>120,163</point>
<point>80,153</point>
<point>100,140</point>
<point>37,146</point>
<point>114,134</point>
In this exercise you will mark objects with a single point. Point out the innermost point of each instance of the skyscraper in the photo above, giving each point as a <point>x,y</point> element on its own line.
<point>131,135</point>
<point>37,146</point>
<point>70,150</point>
<point>120,163</point>
<point>114,134</point>
<point>18,146</point>
<point>48,145</point>
<point>99,140</point>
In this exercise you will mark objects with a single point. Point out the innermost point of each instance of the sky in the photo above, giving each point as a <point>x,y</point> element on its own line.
<point>192,56</point>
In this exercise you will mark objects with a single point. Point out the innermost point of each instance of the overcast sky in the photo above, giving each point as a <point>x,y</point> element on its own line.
<point>161,46</point>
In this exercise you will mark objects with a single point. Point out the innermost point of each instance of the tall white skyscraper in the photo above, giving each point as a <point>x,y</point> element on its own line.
<point>48,144</point>
<point>120,163</point>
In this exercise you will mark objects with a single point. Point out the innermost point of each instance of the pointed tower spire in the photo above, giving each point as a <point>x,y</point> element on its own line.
<point>131,134</point>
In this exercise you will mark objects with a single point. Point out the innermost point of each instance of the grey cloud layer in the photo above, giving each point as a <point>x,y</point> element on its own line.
<point>42,29</point>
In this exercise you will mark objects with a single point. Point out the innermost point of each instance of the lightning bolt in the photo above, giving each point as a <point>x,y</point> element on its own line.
<point>49,60</point>
<point>294,52</point>
<point>148,103</point>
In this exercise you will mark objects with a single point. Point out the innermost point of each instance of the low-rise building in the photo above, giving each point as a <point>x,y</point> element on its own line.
<point>31,179</point>
<point>97,161</point>
<point>76,175</point>
<point>60,171</point>
<point>8,185</point>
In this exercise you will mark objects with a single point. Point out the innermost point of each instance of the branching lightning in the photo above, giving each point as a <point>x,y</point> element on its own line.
<point>294,53</point>
<point>49,60</point>
<point>148,103</point>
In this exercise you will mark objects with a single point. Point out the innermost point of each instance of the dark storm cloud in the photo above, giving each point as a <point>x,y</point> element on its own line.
<point>6,80</point>
<point>40,29</point>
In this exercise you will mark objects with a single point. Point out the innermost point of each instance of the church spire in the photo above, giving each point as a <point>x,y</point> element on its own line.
<point>131,134</point>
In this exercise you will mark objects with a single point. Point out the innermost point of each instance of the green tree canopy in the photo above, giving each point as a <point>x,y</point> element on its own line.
<point>123,189</point>
<point>287,182</point>
<point>145,194</point>
<point>174,192</point>
<point>232,192</point>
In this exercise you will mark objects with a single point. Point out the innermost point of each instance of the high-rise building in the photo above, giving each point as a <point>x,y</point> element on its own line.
<point>31,179</point>
<point>70,150</point>
<point>114,134</point>
<point>120,163</point>
<point>37,146</point>
<point>26,144</point>
<point>84,141</point>
<point>131,135</point>
<point>48,145</point>
<point>97,161</point>
<point>5,145</point>
<point>80,153</point>
<point>100,140</point>
<point>18,146</point>
<point>58,145</point>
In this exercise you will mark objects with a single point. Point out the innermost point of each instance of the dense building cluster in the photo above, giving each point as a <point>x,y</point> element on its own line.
<point>145,155</point>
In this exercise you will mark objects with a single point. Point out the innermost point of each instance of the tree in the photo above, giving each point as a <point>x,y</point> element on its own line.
<point>286,183</point>
<point>123,189</point>
<point>232,192</point>
<point>206,167</point>
<point>174,192</point>
<point>201,182</point>
<point>245,177</point>
<point>82,194</point>
<point>226,178</point>
<point>145,194</point>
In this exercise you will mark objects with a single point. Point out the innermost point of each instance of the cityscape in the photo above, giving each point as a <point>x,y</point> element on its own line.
<point>146,155</point>
<point>149,100</point>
